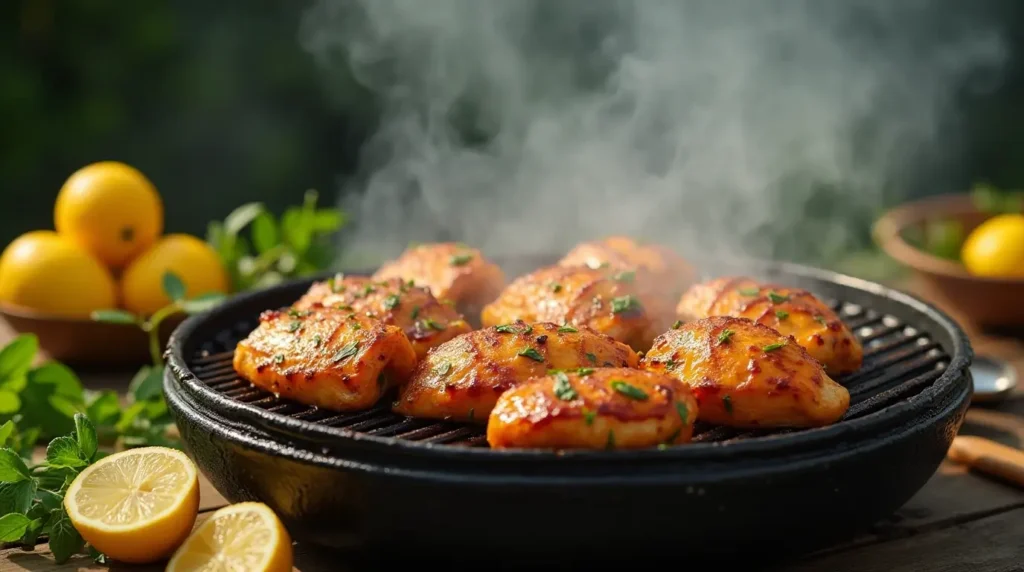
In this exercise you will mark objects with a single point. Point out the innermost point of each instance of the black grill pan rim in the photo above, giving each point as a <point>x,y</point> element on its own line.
<point>184,343</point>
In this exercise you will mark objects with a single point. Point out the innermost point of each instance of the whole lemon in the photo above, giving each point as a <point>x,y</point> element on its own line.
<point>191,259</point>
<point>996,248</point>
<point>111,209</point>
<point>47,272</point>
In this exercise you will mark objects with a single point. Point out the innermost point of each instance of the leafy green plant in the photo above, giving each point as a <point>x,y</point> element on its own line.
<point>994,201</point>
<point>146,421</point>
<point>32,495</point>
<point>295,245</point>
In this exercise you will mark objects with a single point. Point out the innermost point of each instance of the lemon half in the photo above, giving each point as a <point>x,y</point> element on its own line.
<point>244,536</point>
<point>136,506</point>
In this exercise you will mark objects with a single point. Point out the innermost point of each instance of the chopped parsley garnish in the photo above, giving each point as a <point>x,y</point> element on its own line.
<point>357,326</point>
<point>415,312</point>
<point>432,324</point>
<point>773,347</point>
<point>821,320</point>
<point>591,357</point>
<point>671,364</point>
<point>344,307</point>
<point>777,298</point>
<point>749,291</point>
<point>683,412</point>
<point>725,335</point>
<point>348,350</point>
<point>555,287</point>
<point>296,313</point>
<point>626,276</point>
<point>505,329</point>
<point>584,370</point>
<point>727,403</point>
<point>294,326</point>
<point>588,417</point>
<point>630,391</point>
<point>532,354</point>
<point>391,302</point>
<point>781,314</point>
<point>317,340</point>
<point>444,368</point>
<point>676,324</point>
<point>335,284</point>
<point>279,359</point>
<point>567,330</point>
<point>460,259</point>
<point>563,390</point>
<point>625,304</point>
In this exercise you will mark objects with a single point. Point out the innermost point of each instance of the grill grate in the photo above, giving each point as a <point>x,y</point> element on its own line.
<point>899,362</point>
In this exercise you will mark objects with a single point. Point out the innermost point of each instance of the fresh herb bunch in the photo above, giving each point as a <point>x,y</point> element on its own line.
<point>994,201</point>
<point>32,495</point>
<point>146,420</point>
<point>296,245</point>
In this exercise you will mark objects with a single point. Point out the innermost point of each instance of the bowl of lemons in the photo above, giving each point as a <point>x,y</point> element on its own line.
<point>107,254</point>
<point>967,249</point>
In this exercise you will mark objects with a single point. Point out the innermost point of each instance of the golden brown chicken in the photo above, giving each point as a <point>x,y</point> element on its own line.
<point>329,358</point>
<point>578,296</point>
<point>661,274</point>
<point>610,408</point>
<point>790,311</point>
<point>453,272</point>
<point>745,374</point>
<point>425,321</point>
<point>462,378</point>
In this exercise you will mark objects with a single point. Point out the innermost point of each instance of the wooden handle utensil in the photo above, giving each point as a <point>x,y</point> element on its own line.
<point>989,457</point>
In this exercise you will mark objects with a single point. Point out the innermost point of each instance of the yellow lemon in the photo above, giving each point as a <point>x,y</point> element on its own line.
<point>244,536</point>
<point>111,209</point>
<point>136,506</point>
<point>44,271</point>
<point>996,248</point>
<point>191,259</point>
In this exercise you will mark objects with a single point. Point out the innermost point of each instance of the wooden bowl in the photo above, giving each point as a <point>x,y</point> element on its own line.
<point>984,301</point>
<point>83,342</point>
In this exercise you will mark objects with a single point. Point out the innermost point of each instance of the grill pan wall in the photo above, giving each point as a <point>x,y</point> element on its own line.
<point>784,492</point>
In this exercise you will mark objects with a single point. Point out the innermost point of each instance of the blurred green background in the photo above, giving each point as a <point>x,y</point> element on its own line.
<point>219,105</point>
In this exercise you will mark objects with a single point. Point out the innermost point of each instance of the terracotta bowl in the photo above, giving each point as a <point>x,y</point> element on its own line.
<point>986,302</point>
<point>83,342</point>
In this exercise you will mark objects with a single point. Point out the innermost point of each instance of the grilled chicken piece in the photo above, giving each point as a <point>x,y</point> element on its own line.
<point>610,408</point>
<point>745,374</point>
<point>425,321</point>
<point>463,377</point>
<point>790,311</point>
<point>325,357</point>
<point>661,274</point>
<point>578,296</point>
<point>453,272</point>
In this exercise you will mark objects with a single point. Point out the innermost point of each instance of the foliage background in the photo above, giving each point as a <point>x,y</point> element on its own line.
<point>219,105</point>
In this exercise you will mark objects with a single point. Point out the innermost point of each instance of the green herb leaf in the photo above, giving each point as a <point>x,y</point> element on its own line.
<point>749,291</point>
<point>17,496</point>
<point>630,391</point>
<point>563,390</point>
<point>6,430</point>
<point>85,435</point>
<point>567,330</point>
<point>433,324</point>
<point>105,408</point>
<point>444,368</point>
<point>97,556</point>
<point>348,350</point>
<point>505,329</point>
<point>589,416</point>
<point>532,354</point>
<point>50,400</point>
<point>173,286</point>
<point>63,452</point>
<point>13,527</point>
<point>626,276</point>
<point>781,314</point>
<point>241,217</point>
<point>391,302</point>
<point>777,298</point>
<point>820,320</point>
<point>15,359</point>
<point>591,357</point>
<point>676,324</point>
<point>12,468</point>
<point>555,287</point>
<point>460,259</point>
<point>727,403</point>
<point>773,347</point>
<point>203,302</point>
<point>683,411</point>
<point>64,539</point>
<point>725,335</point>
<point>147,383</point>
<point>115,317</point>
<point>9,402</point>
<point>265,236</point>
<point>625,304</point>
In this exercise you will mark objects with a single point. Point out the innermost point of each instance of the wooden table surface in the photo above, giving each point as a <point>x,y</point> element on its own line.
<point>959,521</point>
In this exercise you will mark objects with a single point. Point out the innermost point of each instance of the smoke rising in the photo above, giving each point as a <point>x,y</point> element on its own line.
<point>772,128</point>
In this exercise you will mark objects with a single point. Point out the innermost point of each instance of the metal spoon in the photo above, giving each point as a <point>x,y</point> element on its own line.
<point>994,379</point>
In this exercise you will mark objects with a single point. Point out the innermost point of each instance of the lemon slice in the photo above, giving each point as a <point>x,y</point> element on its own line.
<point>135,506</point>
<point>245,536</point>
